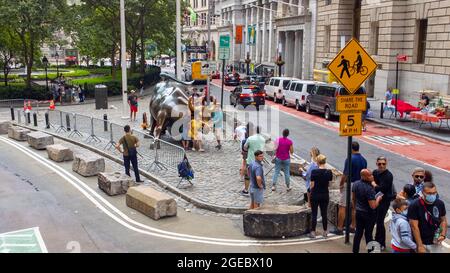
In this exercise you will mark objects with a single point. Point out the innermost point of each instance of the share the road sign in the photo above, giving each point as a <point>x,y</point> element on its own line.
<point>351,103</point>
<point>22,241</point>
<point>352,66</point>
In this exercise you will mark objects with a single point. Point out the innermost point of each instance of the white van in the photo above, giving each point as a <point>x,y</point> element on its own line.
<point>297,92</point>
<point>276,85</point>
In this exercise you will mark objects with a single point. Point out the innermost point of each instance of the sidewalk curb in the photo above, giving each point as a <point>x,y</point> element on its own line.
<point>423,134</point>
<point>161,183</point>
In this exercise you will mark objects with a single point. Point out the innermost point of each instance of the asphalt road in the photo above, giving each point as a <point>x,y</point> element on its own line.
<point>73,215</point>
<point>306,135</point>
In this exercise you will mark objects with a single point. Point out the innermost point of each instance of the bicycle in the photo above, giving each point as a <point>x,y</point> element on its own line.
<point>363,70</point>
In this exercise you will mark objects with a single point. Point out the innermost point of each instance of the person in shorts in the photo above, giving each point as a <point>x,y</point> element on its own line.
<point>133,103</point>
<point>257,182</point>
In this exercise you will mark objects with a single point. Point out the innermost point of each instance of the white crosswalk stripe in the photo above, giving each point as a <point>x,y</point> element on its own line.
<point>394,140</point>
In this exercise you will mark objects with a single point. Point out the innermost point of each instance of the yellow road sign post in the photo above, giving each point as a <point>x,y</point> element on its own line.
<point>352,66</point>
<point>350,123</point>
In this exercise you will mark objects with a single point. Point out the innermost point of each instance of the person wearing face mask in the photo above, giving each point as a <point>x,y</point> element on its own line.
<point>383,185</point>
<point>418,176</point>
<point>402,240</point>
<point>427,217</point>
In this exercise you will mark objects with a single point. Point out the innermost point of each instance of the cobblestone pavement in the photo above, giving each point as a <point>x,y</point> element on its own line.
<point>216,180</point>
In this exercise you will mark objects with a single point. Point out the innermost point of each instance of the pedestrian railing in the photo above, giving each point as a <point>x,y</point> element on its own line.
<point>153,154</point>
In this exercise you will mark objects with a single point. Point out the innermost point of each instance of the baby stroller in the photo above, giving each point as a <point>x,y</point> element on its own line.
<point>185,171</point>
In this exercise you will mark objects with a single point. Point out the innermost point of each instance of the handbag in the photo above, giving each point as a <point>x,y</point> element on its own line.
<point>132,152</point>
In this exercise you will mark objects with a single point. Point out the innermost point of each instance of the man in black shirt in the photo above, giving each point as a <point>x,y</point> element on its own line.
<point>365,203</point>
<point>383,183</point>
<point>428,221</point>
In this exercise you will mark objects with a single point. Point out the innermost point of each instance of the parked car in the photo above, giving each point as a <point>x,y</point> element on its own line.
<point>323,99</point>
<point>232,79</point>
<point>276,86</point>
<point>297,92</point>
<point>215,75</point>
<point>247,95</point>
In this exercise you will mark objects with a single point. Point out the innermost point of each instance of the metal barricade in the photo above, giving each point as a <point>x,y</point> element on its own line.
<point>74,125</point>
<point>167,155</point>
<point>54,118</point>
<point>99,129</point>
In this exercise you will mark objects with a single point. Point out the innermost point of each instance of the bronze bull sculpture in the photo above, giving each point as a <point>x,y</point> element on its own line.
<point>169,102</point>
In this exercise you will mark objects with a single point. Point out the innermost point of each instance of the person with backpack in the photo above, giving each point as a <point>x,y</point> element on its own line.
<point>130,144</point>
<point>133,103</point>
<point>383,184</point>
<point>185,169</point>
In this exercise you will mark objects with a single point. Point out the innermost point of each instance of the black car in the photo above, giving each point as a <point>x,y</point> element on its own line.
<point>232,79</point>
<point>248,95</point>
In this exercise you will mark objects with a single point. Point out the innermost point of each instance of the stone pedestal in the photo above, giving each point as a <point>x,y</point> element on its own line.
<point>18,133</point>
<point>88,165</point>
<point>59,153</point>
<point>298,166</point>
<point>150,202</point>
<point>39,140</point>
<point>277,221</point>
<point>114,183</point>
<point>332,212</point>
<point>4,126</point>
<point>337,175</point>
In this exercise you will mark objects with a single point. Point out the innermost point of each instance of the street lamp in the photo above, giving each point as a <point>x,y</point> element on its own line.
<point>280,63</point>
<point>57,64</point>
<point>45,62</point>
<point>248,61</point>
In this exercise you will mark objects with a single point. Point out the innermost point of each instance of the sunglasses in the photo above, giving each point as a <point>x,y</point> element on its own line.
<point>419,176</point>
<point>381,164</point>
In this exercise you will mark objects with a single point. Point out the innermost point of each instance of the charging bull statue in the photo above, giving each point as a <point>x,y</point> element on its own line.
<point>169,102</point>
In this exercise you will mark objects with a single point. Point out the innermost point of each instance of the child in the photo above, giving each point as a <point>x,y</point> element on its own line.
<point>402,240</point>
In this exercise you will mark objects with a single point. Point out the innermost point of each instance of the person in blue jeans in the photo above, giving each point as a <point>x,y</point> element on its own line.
<point>284,147</point>
<point>257,182</point>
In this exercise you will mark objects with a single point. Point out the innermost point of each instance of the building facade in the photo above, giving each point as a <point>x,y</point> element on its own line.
<point>419,29</point>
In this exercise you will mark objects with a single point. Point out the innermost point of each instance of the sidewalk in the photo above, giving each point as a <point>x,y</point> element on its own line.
<point>442,134</point>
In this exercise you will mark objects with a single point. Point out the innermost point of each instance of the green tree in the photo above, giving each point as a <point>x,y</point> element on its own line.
<point>33,21</point>
<point>9,43</point>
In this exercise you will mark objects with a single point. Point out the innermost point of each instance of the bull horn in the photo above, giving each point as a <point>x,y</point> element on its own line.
<point>165,75</point>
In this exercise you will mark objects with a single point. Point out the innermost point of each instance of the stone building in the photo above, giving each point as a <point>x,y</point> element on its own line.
<point>419,29</point>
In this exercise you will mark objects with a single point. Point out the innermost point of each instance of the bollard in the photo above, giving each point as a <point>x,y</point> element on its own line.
<point>68,122</point>
<point>12,114</point>
<point>105,123</point>
<point>47,122</point>
<point>382,110</point>
<point>35,119</point>
<point>28,118</point>
<point>19,116</point>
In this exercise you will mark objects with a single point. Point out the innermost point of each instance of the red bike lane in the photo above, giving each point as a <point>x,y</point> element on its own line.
<point>415,147</point>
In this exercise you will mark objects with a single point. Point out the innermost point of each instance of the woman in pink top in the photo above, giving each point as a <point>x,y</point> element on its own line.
<point>284,148</point>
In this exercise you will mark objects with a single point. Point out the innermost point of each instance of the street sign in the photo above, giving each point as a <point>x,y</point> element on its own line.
<point>352,66</point>
<point>224,41</point>
<point>224,47</point>
<point>350,124</point>
<point>351,103</point>
<point>196,49</point>
<point>207,67</point>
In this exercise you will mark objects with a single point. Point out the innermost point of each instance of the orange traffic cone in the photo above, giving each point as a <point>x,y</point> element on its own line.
<point>29,106</point>
<point>52,105</point>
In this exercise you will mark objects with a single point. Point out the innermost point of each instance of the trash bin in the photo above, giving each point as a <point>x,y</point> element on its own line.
<point>101,97</point>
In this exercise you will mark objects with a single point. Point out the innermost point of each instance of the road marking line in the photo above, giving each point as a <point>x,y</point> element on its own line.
<point>40,240</point>
<point>79,185</point>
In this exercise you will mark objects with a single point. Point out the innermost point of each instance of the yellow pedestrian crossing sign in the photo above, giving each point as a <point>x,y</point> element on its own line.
<point>352,66</point>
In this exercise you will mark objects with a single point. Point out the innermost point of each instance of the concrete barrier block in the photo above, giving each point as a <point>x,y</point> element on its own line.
<point>39,140</point>
<point>4,126</point>
<point>18,133</point>
<point>151,202</point>
<point>88,165</point>
<point>114,183</point>
<point>298,166</point>
<point>276,221</point>
<point>59,153</point>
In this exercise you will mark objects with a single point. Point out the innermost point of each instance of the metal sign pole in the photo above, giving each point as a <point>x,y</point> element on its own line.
<point>223,76</point>
<point>348,213</point>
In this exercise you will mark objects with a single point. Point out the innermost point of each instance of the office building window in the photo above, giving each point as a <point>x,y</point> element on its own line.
<point>327,2</point>
<point>203,3</point>
<point>195,4</point>
<point>375,32</point>
<point>421,40</point>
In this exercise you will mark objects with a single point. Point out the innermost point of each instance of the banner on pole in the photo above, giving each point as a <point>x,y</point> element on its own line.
<point>238,34</point>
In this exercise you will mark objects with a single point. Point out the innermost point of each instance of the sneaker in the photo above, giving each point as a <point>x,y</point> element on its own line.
<point>319,220</point>
<point>288,188</point>
<point>245,193</point>
<point>325,234</point>
<point>218,147</point>
<point>201,150</point>
<point>337,231</point>
<point>312,235</point>
<point>273,188</point>
<point>140,181</point>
